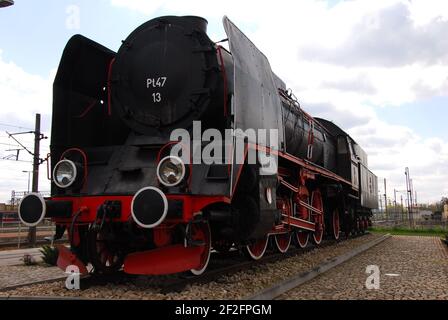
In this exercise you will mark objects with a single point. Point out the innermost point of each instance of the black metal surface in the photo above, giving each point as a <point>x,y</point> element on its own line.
<point>111,209</point>
<point>352,165</point>
<point>166,75</point>
<point>81,117</point>
<point>31,209</point>
<point>148,207</point>
<point>120,160</point>
<point>80,83</point>
<point>368,188</point>
<point>297,133</point>
<point>256,101</point>
<point>175,209</point>
<point>59,209</point>
<point>256,105</point>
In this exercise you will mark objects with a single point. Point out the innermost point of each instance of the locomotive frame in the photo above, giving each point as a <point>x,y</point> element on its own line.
<point>112,118</point>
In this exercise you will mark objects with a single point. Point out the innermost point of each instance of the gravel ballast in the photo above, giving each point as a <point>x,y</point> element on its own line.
<point>226,287</point>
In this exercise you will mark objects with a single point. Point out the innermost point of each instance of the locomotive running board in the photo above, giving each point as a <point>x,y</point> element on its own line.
<point>298,223</point>
<point>168,260</point>
<point>67,258</point>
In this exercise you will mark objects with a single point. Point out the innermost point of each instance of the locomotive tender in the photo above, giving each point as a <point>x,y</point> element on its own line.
<point>125,200</point>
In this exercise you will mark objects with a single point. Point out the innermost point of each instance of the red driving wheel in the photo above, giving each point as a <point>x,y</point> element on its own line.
<point>283,240</point>
<point>336,224</point>
<point>318,219</point>
<point>302,236</point>
<point>201,232</point>
<point>257,249</point>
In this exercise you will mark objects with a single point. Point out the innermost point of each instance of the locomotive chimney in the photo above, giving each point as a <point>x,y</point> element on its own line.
<point>198,22</point>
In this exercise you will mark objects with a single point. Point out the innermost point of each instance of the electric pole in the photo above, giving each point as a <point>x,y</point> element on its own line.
<point>385,196</point>
<point>37,161</point>
<point>381,203</point>
<point>402,210</point>
<point>36,164</point>
<point>409,196</point>
<point>395,203</point>
<point>415,200</point>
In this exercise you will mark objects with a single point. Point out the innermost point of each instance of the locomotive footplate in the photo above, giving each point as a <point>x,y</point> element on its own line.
<point>67,258</point>
<point>172,259</point>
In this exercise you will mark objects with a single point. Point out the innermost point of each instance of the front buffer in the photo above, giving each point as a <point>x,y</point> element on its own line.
<point>150,233</point>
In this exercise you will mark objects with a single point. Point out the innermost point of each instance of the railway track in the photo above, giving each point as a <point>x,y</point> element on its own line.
<point>240,263</point>
<point>15,257</point>
<point>25,229</point>
<point>221,265</point>
<point>13,244</point>
<point>279,289</point>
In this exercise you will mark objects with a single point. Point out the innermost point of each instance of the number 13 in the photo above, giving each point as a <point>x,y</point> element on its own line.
<point>157,97</point>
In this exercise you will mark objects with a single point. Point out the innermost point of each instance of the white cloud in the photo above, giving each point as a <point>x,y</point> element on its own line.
<point>22,95</point>
<point>341,60</point>
<point>144,6</point>
<point>397,48</point>
<point>387,37</point>
<point>425,11</point>
<point>391,148</point>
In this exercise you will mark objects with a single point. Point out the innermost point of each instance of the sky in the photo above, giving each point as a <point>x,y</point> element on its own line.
<point>378,69</point>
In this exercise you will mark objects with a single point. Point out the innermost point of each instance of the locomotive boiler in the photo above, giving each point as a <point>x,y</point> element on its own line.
<point>126,201</point>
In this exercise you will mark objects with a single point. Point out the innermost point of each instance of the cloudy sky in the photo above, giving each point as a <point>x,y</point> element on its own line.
<point>379,69</point>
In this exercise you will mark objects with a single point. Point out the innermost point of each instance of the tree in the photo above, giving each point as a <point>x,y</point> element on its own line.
<point>444,201</point>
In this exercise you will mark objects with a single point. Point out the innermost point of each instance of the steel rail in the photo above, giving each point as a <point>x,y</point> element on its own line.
<point>177,285</point>
<point>26,284</point>
<point>213,274</point>
<point>297,280</point>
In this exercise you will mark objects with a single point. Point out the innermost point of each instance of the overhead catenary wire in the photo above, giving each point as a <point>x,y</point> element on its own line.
<point>26,149</point>
<point>9,145</point>
<point>13,126</point>
<point>13,160</point>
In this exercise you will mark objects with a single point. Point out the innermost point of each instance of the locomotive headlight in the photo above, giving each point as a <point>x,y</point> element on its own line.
<point>171,171</point>
<point>64,173</point>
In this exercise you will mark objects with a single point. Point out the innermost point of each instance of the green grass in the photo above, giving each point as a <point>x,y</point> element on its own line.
<point>402,231</point>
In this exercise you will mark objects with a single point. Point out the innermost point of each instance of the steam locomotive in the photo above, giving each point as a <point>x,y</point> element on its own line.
<point>126,201</point>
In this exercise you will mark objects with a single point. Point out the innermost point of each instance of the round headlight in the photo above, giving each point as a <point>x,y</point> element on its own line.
<point>64,173</point>
<point>171,171</point>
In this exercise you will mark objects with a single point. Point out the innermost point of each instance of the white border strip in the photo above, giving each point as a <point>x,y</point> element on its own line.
<point>44,209</point>
<point>75,174</point>
<point>169,158</point>
<point>165,209</point>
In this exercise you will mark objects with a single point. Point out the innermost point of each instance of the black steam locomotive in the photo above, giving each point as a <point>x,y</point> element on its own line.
<point>125,199</point>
